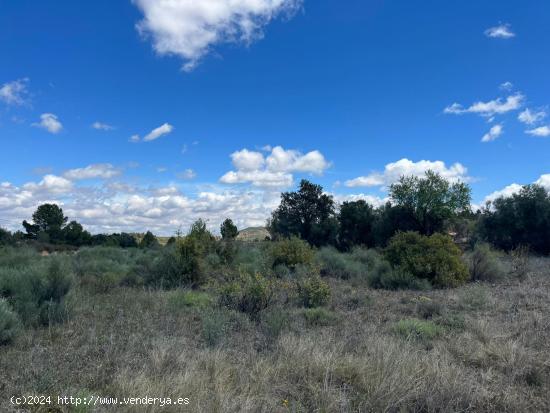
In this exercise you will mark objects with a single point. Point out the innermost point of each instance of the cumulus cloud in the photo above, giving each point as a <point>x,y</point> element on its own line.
<point>514,188</point>
<point>542,132</point>
<point>189,29</point>
<point>493,134</point>
<point>95,171</point>
<point>15,93</point>
<point>530,117</point>
<point>488,109</point>
<point>405,167</point>
<point>502,31</point>
<point>102,126</point>
<point>275,170</point>
<point>50,184</point>
<point>49,122</point>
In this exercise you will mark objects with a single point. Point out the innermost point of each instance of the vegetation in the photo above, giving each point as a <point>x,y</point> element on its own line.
<point>301,320</point>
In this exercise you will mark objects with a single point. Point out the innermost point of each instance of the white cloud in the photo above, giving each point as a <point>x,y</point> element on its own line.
<point>506,86</point>
<point>275,170</point>
<point>187,174</point>
<point>134,138</point>
<point>493,134</point>
<point>542,132</point>
<point>50,184</point>
<point>489,109</point>
<point>530,118</point>
<point>405,167</point>
<point>369,199</point>
<point>502,31</point>
<point>49,122</point>
<point>156,133</point>
<point>189,29</point>
<point>514,188</point>
<point>15,93</point>
<point>544,181</point>
<point>102,126</point>
<point>96,171</point>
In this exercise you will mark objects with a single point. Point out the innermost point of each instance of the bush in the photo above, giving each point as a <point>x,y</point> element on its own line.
<point>313,292</point>
<point>189,299</point>
<point>484,264</point>
<point>214,325</point>
<point>520,262</point>
<point>249,294</point>
<point>319,317</point>
<point>339,265</point>
<point>420,330</point>
<point>435,258</point>
<point>275,322</point>
<point>383,276</point>
<point>9,323</point>
<point>36,292</point>
<point>292,252</point>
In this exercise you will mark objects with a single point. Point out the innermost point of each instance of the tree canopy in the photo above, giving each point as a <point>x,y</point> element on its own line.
<point>229,230</point>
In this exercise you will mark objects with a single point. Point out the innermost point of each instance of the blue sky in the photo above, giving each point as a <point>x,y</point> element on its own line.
<point>249,96</point>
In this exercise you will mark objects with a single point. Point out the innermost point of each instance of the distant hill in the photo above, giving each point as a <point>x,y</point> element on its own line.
<point>253,234</point>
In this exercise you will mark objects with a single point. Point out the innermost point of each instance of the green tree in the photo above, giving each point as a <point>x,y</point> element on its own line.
<point>229,230</point>
<point>432,200</point>
<point>307,213</point>
<point>149,241</point>
<point>49,220</point>
<point>6,238</point>
<point>74,234</point>
<point>520,220</point>
<point>356,221</point>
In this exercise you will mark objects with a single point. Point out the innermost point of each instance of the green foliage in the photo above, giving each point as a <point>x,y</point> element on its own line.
<point>179,299</point>
<point>249,294</point>
<point>6,238</point>
<point>339,265</point>
<point>319,317</point>
<point>307,213</point>
<point>37,291</point>
<point>313,292</point>
<point>474,298</point>
<point>214,325</point>
<point>520,220</point>
<point>419,330</point>
<point>149,241</point>
<point>49,220</point>
<point>229,230</point>
<point>291,252</point>
<point>520,262</point>
<point>9,323</point>
<point>74,234</point>
<point>435,258</point>
<point>383,276</point>
<point>275,321</point>
<point>484,264</point>
<point>356,221</point>
<point>432,199</point>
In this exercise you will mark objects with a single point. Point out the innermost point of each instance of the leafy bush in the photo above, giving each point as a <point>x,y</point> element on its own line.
<point>292,252</point>
<point>339,265</point>
<point>435,258</point>
<point>313,292</point>
<point>189,299</point>
<point>319,317</point>
<point>36,292</point>
<point>249,294</point>
<point>9,323</point>
<point>420,330</point>
<point>275,322</point>
<point>383,276</point>
<point>214,324</point>
<point>484,264</point>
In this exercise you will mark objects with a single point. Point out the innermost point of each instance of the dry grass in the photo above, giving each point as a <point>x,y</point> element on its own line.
<point>494,353</point>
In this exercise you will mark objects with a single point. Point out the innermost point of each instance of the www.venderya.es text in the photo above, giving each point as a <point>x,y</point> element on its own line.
<point>35,400</point>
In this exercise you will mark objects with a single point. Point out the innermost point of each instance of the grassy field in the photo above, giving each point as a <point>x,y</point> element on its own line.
<point>480,347</point>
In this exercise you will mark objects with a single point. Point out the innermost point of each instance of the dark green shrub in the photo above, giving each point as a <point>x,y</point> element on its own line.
<point>249,294</point>
<point>292,252</point>
<point>339,265</point>
<point>9,323</point>
<point>420,330</point>
<point>435,258</point>
<point>484,264</point>
<point>275,322</point>
<point>179,299</point>
<point>319,317</point>
<point>313,292</point>
<point>383,276</point>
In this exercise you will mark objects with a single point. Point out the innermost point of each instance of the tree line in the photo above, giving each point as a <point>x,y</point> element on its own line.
<point>426,205</point>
